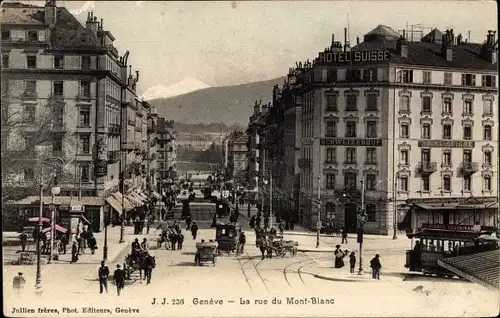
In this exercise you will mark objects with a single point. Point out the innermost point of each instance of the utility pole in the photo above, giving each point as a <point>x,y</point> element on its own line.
<point>394,209</point>
<point>318,222</point>
<point>361,218</point>
<point>271,196</point>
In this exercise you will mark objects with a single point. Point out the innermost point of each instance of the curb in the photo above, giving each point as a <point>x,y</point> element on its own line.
<point>313,251</point>
<point>361,279</point>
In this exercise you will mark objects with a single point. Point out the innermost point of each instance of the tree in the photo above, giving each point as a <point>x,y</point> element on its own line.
<point>28,134</point>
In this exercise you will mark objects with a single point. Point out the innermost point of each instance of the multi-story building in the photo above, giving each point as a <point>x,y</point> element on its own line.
<point>409,124</point>
<point>239,158</point>
<point>166,151</point>
<point>152,142</point>
<point>62,88</point>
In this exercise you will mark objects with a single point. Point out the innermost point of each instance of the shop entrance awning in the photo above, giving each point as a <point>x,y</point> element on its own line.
<point>127,205</point>
<point>135,199</point>
<point>57,227</point>
<point>143,196</point>
<point>115,204</point>
<point>481,268</point>
<point>156,194</point>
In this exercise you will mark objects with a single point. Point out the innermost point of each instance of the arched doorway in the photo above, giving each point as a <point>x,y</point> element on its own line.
<point>351,220</point>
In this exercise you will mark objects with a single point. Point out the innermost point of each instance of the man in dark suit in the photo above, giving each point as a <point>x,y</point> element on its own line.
<point>119,276</point>
<point>103,277</point>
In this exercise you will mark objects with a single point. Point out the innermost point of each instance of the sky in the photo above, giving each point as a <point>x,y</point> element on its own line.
<point>227,43</point>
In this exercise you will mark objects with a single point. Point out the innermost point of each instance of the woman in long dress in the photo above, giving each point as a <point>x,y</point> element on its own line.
<point>339,255</point>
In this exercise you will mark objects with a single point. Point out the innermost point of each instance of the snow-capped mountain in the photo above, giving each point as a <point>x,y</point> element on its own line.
<point>187,85</point>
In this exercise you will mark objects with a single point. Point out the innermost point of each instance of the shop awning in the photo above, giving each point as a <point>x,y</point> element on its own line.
<point>481,268</point>
<point>57,227</point>
<point>156,194</point>
<point>115,204</point>
<point>455,206</point>
<point>129,206</point>
<point>84,219</point>
<point>135,199</point>
<point>143,196</point>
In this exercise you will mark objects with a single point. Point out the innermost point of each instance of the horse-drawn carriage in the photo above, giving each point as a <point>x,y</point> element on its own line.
<point>167,236</point>
<point>281,247</point>
<point>141,261</point>
<point>226,235</point>
<point>205,252</point>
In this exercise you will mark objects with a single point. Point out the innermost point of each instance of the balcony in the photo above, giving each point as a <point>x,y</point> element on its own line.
<point>426,168</point>
<point>26,95</point>
<point>468,168</point>
<point>85,97</point>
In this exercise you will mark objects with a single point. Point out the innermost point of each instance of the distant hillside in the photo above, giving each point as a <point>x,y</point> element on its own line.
<point>227,104</point>
<point>207,128</point>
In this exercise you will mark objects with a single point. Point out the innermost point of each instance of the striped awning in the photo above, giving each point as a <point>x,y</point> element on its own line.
<point>156,194</point>
<point>143,196</point>
<point>114,204</point>
<point>481,268</point>
<point>127,205</point>
<point>135,199</point>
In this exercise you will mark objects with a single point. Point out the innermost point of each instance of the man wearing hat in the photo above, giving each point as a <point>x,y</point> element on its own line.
<point>103,277</point>
<point>18,282</point>
<point>119,276</point>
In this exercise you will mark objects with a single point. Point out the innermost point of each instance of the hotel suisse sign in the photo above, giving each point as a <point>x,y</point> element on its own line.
<point>446,143</point>
<point>353,142</point>
<point>354,57</point>
<point>450,227</point>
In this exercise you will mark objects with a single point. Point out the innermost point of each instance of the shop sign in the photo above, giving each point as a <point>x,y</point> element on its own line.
<point>101,168</point>
<point>448,227</point>
<point>351,142</point>
<point>77,208</point>
<point>354,57</point>
<point>429,143</point>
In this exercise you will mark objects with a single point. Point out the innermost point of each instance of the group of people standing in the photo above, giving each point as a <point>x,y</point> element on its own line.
<point>83,240</point>
<point>375,264</point>
<point>118,276</point>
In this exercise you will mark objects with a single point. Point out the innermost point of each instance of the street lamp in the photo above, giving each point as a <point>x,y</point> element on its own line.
<point>106,222</point>
<point>55,190</point>
<point>362,219</point>
<point>270,195</point>
<point>318,222</point>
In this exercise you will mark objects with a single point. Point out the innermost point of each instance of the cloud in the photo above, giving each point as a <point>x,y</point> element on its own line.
<point>88,5</point>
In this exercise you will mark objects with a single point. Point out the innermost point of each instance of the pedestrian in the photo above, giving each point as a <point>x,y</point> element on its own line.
<point>119,277</point>
<point>24,238</point>
<point>194,230</point>
<point>162,213</point>
<point>64,242</point>
<point>344,235</point>
<point>352,262</point>
<point>18,282</point>
<point>103,275</point>
<point>92,243</point>
<point>74,253</point>
<point>261,244</point>
<point>188,223</point>
<point>148,224</point>
<point>375,266</point>
<point>339,255</point>
<point>82,242</point>
<point>174,237</point>
<point>281,228</point>
<point>242,241</point>
<point>180,240</point>
<point>177,227</point>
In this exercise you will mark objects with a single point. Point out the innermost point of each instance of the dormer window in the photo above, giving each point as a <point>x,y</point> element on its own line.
<point>32,36</point>
<point>5,35</point>
<point>468,80</point>
<point>488,81</point>
<point>405,76</point>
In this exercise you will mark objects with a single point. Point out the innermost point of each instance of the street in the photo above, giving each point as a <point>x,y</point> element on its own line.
<point>248,278</point>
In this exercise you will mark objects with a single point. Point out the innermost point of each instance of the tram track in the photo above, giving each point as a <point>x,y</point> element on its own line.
<point>286,271</point>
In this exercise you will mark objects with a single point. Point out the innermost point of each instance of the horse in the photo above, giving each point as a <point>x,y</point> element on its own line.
<point>147,264</point>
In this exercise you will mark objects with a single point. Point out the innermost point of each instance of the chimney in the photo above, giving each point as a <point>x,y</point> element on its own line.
<point>333,41</point>
<point>357,40</point>
<point>50,13</point>
<point>345,38</point>
<point>130,77</point>
<point>490,48</point>
<point>459,39</point>
<point>402,47</point>
<point>448,45</point>
<point>136,76</point>
<point>92,23</point>
<point>101,24</point>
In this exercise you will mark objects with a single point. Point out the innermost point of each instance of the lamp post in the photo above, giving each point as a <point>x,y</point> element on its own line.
<point>361,218</point>
<point>55,190</point>
<point>394,209</point>
<point>318,222</point>
<point>270,195</point>
<point>106,223</point>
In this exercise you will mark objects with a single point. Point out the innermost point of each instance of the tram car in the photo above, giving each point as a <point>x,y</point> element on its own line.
<point>438,241</point>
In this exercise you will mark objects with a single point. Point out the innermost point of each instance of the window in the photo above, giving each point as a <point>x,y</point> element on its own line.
<point>85,144</point>
<point>371,182</point>
<point>426,77</point>
<point>487,132</point>
<point>371,212</point>
<point>448,79</point>
<point>5,35</point>
<point>370,75</point>
<point>404,157</point>
<point>31,61</point>
<point>447,158</point>
<point>350,129</point>
<point>331,129</point>
<point>85,63</point>
<point>488,107</point>
<point>350,155</point>
<point>426,184</point>
<point>29,142</point>
<point>468,133</point>
<point>447,108</point>
<point>84,117</point>
<point>30,113</point>
<point>331,102</point>
<point>350,180</point>
<point>331,76</point>
<point>405,104</point>
<point>330,210</point>
<point>488,80</point>
<point>57,144</point>
<point>426,131</point>
<point>467,156</point>
<point>406,76</point>
<point>161,155</point>
<point>468,80</point>
<point>29,174</point>
<point>447,183</point>
<point>353,75</point>
<point>446,131</point>
<point>330,181</point>
<point>33,35</point>
<point>85,88</point>
<point>487,159</point>
<point>30,88</point>
<point>331,155</point>
<point>5,60</point>
<point>371,129</point>
<point>371,155</point>
<point>351,102</point>
<point>487,183</point>
<point>468,107</point>
<point>425,155</point>
<point>371,102</point>
<point>59,62</point>
<point>85,170</point>
<point>426,104</point>
<point>403,181</point>
<point>162,165</point>
<point>58,88</point>
<point>405,131</point>
<point>467,183</point>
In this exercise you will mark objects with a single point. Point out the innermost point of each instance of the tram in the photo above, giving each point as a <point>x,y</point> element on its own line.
<point>439,241</point>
